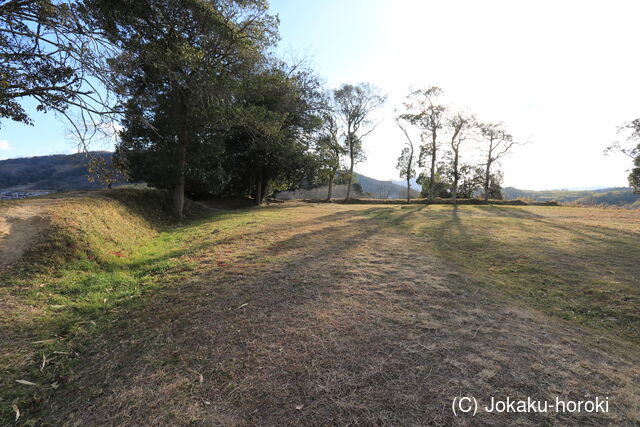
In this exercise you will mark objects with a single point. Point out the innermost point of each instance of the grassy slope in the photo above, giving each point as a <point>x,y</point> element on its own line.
<point>100,254</point>
<point>104,255</point>
<point>579,264</point>
<point>107,256</point>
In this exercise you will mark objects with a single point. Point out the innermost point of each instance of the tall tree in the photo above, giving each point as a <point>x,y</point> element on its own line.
<point>354,104</point>
<point>459,126</point>
<point>498,143</point>
<point>406,161</point>
<point>426,112</point>
<point>329,151</point>
<point>279,114</point>
<point>634,175</point>
<point>631,149</point>
<point>179,64</point>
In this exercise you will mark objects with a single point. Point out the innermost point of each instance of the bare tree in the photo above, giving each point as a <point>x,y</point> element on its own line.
<point>630,148</point>
<point>460,125</point>
<point>329,150</point>
<point>498,144</point>
<point>406,162</point>
<point>427,114</point>
<point>354,104</point>
<point>54,54</point>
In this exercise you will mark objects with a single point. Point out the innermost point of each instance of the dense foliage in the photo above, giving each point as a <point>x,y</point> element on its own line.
<point>207,110</point>
<point>180,66</point>
<point>470,182</point>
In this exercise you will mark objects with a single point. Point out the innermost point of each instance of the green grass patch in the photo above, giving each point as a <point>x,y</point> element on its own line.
<point>103,255</point>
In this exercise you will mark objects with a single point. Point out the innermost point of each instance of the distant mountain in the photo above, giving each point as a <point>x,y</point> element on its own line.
<point>57,172</point>
<point>585,188</point>
<point>611,196</point>
<point>62,172</point>
<point>383,189</point>
<point>412,182</point>
<point>68,172</point>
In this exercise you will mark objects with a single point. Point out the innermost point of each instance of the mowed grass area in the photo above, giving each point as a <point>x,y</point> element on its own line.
<point>301,313</point>
<point>580,264</point>
<point>104,255</point>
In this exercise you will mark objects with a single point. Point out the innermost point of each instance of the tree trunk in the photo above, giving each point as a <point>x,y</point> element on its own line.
<point>330,187</point>
<point>178,189</point>
<point>263,190</point>
<point>408,189</point>
<point>259,190</point>
<point>432,179</point>
<point>454,193</point>
<point>486,182</point>
<point>350,174</point>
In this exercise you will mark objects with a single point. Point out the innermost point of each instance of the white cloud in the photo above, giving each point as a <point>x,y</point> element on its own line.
<point>5,146</point>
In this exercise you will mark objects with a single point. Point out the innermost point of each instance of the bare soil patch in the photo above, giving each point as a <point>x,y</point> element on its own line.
<point>20,223</point>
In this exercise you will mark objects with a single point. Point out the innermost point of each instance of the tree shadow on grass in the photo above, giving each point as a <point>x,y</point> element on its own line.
<point>146,349</point>
<point>306,341</point>
<point>591,277</point>
<point>607,234</point>
<point>331,240</point>
<point>589,273</point>
<point>270,288</point>
<point>514,212</point>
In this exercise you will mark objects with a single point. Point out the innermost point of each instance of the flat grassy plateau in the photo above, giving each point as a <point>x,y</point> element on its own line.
<point>316,313</point>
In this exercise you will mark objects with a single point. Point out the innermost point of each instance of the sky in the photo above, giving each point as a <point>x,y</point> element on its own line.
<point>561,75</point>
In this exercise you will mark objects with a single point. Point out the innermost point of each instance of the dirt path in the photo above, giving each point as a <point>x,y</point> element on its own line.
<point>359,325</point>
<point>19,223</point>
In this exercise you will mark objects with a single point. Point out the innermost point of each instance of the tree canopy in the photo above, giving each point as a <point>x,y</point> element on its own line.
<point>52,54</point>
<point>180,66</point>
<point>631,148</point>
<point>206,109</point>
<point>354,104</point>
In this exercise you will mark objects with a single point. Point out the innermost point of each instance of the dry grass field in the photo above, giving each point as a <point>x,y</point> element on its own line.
<point>580,264</point>
<point>319,314</point>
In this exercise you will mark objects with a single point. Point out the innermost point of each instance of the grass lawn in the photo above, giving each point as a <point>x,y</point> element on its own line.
<point>580,264</point>
<point>102,258</point>
<point>325,312</point>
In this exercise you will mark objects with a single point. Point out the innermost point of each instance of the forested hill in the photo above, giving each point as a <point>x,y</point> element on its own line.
<point>69,172</point>
<point>57,172</point>
<point>413,182</point>
<point>619,196</point>
<point>382,189</point>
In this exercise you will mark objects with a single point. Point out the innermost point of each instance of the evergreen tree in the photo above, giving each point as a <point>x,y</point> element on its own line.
<point>180,62</point>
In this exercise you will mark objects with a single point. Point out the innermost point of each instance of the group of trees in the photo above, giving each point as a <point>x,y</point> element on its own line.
<point>444,135</point>
<point>205,106</point>
<point>207,109</point>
